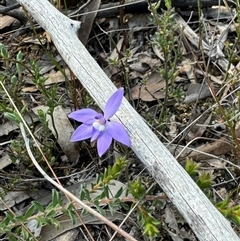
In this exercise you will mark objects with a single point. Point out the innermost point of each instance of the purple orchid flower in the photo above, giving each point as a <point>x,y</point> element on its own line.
<point>98,127</point>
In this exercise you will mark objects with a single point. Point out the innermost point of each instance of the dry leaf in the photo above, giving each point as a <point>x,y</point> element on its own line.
<point>8,22</point>
<point>30,89</point>
<point>200,127</point>
<point>193,93</point>
<point>219,12</point>
<point>34,227</point>
<point>216,148</point>
<point>70,235</point>
<point>87,20</point>
<point>47,36</point>
<point>64,131</point>
<point>187,67</point>
<point>5,161</point>
<point>215,79</point>
<point>152,90</point>
<point>114,54</point>
<point>9,126</point>
<point>34,40</point>
<point>56,77</point>
<point>12,198</point>
<point>137,22</point>
<point>172,126</point>
<point>170,219</point>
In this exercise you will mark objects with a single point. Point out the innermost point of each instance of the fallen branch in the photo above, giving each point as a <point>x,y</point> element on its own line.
<point>204,219</point>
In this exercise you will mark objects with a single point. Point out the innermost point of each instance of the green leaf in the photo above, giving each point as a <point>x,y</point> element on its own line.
<point>223,203</point>
<point>19,56</point>
<point>38,206</point>
<point>119,193</point>
<point>12,117</point>
<point>87,195</point>
<point>150,230</point>
<point>84,212</point>
<point>116,202</point>
<point>106,191</point>
<point>205,180</point>
<point>191,167</point>
<point>4,51</point>
<point>168,4</point>
<point>125,206</point>
<point>25,234</point>
<point>40,222</point>
<point>51,214</point>
<point>19,59</point>
<point>137,189</point>
<point>5,222</point>
<point>30,211</point>
<point>56,198</point>
<point>82,195</point>
<point>14,80</point>
<point>20,218</point>
<point>72,215</point>
<point>100,210</point>
<point>11,237</point>
<point>10,216</point>
<point>55,222</point>
<point>98,177</point>
<point>111,208</point>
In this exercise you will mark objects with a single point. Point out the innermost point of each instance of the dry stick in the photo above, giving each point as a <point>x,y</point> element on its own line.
<point>69,194</point>
<point>204,219</point>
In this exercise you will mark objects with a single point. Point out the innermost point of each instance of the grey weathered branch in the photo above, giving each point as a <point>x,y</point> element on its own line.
<point>206,222</point>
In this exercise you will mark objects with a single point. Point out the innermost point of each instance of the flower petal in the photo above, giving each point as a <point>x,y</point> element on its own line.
<point>113,103</point>
<point>82,132</point>
<point>95,134</point>
<point>86,115</point>
<point>118,132</point>
<point>103,143</point>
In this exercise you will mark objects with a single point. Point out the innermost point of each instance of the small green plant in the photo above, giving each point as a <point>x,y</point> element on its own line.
<point>148,223</point>
<point>12,76</point>
<point>14,226</point>
<point>101,186</point>
<point>13,81</point>
<point>204,181</point>
<point>165,39</point>
<point>231,212</point>
<point>202,178</point>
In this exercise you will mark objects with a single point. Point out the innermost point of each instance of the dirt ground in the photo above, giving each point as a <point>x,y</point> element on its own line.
<point>198,119</point>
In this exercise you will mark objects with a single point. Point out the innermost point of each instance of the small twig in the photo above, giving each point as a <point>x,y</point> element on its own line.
<point>80,8</point>
<point>9,8</point>
<point>69,194</point>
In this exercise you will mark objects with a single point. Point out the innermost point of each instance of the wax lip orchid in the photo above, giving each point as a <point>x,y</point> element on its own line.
<point>98,127</point>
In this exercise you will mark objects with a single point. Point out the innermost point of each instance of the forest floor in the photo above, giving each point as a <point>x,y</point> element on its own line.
<point>180,73</point>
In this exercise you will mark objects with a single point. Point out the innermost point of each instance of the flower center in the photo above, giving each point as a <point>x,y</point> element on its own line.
<point>98,125</point>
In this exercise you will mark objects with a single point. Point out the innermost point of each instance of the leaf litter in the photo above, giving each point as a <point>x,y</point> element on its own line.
<point>208,142</point>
